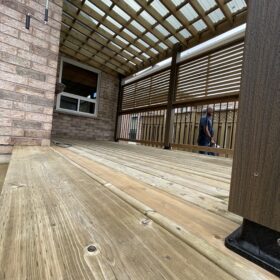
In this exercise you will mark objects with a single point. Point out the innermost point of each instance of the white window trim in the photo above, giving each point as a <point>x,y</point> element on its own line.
<point>96,101</point>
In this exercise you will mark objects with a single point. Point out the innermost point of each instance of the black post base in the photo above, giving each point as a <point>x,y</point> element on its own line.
<point>258,244</point>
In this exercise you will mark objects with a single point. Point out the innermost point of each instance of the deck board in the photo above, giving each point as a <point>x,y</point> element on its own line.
<point>53,207</point>
<point>212,226</point>
<point>51,211</point>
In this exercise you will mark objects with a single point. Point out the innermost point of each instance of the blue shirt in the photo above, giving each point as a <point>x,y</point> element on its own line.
<point>203,139</point>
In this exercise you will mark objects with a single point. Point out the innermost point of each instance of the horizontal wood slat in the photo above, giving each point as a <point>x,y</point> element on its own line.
<point>214,74</point>
<point>150,91</point>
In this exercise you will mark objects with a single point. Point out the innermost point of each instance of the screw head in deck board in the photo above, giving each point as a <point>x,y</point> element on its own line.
<point>92,249</point>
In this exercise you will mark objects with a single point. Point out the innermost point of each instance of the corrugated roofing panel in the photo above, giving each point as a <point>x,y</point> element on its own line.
<point>159,7</point>
<point>236,5</point>
<point>216,16</point>
<point>207,4</point>
<point>188,12</point>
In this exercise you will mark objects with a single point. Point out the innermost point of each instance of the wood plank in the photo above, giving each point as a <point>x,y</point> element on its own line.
<point>51,212</point>
<point>255,188</point>
<point>3,171</point>
<point>201,223</point>
<point>211,203</point>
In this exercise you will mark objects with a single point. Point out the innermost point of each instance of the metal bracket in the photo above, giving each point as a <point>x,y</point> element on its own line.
<point>258,244</point>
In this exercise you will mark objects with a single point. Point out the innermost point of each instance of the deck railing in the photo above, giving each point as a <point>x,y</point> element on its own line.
<point>212,79</point>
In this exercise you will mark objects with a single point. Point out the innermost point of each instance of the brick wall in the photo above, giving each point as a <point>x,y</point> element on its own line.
<point>28,66</point>
<point>99,128</point>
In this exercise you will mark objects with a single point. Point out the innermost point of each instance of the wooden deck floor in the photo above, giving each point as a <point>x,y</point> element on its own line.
<point>150,213</point>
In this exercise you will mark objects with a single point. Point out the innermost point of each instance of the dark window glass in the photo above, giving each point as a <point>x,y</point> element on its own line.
<point>79,81</point>
<point>68,103</point>
<point>87,107</point>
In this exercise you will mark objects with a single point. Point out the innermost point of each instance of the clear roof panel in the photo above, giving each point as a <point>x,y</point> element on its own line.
<point>185,33</point>
<point>200,25</point>
<point>122,39</point>
<point>148,18</point>
<point>107,2</point>
<point>153,50</point>
<point>114,22</point>
<point>128,53</point>
<point>162,30</point>
<point>207,4</point>
<point>173,40</point>
<point>236,5</point>
<point>95,22</point>
<point>107,29</point>
<point>121,13</point>
<point>147,56</point>
<point>138,26</point>
<point>93,7</point>
<point>131,26</point>
<point>133,36</point>
<point>151,36</point>
<point>216,16</point>
<point>143,43</point>
<point>163,46</point>
<point>188,12</point>
<point>138,59</point>
<point>177,2</point>
<point>159,7</point>
<point>135,48</point>
<point>133,5</point>
<point>115,45</point>
<point>174,22</point>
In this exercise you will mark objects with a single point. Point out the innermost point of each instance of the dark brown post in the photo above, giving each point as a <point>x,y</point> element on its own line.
<point>119,108</point>
<point>255,186</point>
<point>171,98</point>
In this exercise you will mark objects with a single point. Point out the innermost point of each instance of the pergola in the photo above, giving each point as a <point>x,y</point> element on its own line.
<point>123,37</point>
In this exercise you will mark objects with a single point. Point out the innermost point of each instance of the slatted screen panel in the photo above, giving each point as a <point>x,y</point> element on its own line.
<point>149,91</point>
<point>213,75</point>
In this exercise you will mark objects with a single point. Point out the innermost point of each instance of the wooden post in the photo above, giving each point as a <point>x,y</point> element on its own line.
<point>119,108</point>
<point>171,98</point>
<point>255,186</point>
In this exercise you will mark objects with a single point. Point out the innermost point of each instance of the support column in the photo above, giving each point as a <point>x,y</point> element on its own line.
<point>255,186</point>
<point>171,98</point>
<point>119,108</point>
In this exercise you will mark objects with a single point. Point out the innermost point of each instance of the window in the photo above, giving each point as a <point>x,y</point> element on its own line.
<point>81,88</point>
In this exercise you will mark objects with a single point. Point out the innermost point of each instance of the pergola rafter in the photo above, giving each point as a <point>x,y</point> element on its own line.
<point>128,36</point>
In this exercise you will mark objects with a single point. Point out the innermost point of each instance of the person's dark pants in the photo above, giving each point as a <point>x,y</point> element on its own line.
<point>205,144</point>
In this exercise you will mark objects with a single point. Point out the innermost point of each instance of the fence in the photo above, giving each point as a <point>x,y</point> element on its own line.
<point>212,79</point>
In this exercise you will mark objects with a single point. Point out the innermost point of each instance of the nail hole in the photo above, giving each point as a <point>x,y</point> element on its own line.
<point>91,248</point>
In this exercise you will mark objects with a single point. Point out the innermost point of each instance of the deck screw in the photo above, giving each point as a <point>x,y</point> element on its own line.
<point>91,248</point>
<point>256,174</point>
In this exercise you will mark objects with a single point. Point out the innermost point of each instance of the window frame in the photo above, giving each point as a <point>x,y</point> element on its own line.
<point>79,98</point>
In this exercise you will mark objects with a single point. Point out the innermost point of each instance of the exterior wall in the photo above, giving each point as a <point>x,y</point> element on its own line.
<point>97,128</point>
<point>28,66</point>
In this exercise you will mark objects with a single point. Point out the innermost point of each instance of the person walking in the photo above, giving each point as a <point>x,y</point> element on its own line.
<point>206,131</point>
